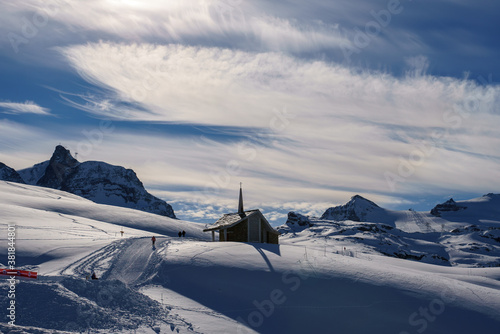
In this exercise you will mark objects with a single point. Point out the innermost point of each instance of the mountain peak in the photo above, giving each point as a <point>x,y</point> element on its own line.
<point>356,209</point>
<point>61,164</point>
<point>449,205</point>
<point>63,156</point>
<point>9,174</point>
<point>358,199</point>
<point>97,181</point>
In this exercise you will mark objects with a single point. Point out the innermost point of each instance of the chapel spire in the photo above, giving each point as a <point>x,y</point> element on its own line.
<point>240,203</point>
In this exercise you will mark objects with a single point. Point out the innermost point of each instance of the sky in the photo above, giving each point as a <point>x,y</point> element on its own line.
<point>307,103</point>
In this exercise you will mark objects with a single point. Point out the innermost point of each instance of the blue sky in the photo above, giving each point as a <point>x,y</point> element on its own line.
<point>306,102</point>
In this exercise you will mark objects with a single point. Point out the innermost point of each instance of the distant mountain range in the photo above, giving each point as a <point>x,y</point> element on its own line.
<point>94,180</point>
<point>455,233</point>
<point>452,233</point>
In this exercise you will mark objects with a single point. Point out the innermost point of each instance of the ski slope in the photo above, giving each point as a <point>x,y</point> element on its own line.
<point>192,285</point>
<point>54,228</point>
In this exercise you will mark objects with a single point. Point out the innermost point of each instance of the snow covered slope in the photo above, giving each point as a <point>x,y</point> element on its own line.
<point>290,289</point>
<point>191,285</point>
<point>230,287</point>
<point>478,210</point>
<point>98,181</point>
<point>54,225</point>
<point>33,174</point>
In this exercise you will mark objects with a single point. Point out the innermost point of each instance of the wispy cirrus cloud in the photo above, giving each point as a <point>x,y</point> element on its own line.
<point>307,129</point>
<point>27,107</point>
<point>242,24</point>
<point>307,28</point>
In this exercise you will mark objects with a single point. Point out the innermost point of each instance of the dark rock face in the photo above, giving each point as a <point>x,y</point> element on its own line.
<point>356,210</point>
<point>97,181</point>
<point>9,174</point>
<point>296,219</point>
<point>61,165</point>
<point>448,206</point>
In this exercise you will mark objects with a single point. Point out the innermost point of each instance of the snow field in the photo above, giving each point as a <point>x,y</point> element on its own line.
<point>274,283</point>
<point>191,285</point>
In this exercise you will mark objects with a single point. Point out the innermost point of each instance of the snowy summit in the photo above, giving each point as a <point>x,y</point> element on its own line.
<point>97,181</point>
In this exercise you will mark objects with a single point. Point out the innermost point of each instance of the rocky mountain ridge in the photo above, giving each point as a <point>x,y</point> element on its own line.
<point>462,233</point>
<point>94,180</point>
<point>9,174</point>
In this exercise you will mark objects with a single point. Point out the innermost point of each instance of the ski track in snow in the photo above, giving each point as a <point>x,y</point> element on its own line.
<point>421,222</point>
<point>45,191</point>
<point>77,222</point>
<point>132,260</point>
<point>128,261</point>
<point>93,261</point>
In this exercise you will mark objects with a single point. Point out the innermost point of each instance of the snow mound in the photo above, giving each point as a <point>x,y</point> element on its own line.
<point>76,305</point>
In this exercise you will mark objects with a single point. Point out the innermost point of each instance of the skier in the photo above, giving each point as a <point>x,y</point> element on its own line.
<point>180,234</point>
<point>93,275</point>
<point>153,239</point>
<point>183,233</point>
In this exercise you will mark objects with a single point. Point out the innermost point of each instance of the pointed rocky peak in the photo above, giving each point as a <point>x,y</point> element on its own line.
<point>357,209</point>
<point>360,200</point>
<point>95,180</point>
<point>9,174</point>
<point>450,202</point>
<point>63,156</point>
<point>61,164</point>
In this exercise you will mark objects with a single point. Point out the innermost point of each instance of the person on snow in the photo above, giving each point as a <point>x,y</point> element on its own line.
<point>93,275</point>
<point>180,234</point>
<point>183,233</point>
<point>153,239</point>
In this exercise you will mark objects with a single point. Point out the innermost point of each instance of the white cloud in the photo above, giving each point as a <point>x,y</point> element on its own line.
<point>22,146</point>
<point>316,130</point>
<point>244,24</point>
<point>28,107</point>
<point>204,85</point>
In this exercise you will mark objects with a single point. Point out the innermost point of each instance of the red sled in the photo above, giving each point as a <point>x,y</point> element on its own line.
<point>19,273</point>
